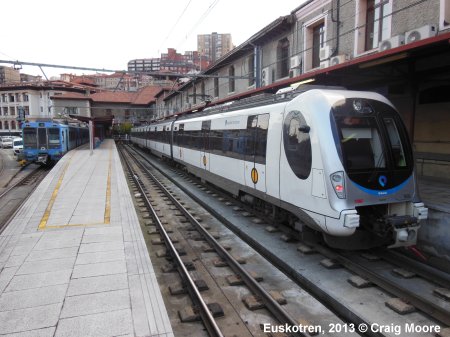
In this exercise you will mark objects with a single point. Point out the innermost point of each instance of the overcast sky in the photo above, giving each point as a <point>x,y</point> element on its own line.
<point>107,34</point>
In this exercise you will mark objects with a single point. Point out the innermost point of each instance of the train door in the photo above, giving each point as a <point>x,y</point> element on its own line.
<point>255,151</point>
<point>42,139</point>
<point>64,141</point>
<point>180,141</point>
<point>171,144</point>
<point>204,145</point>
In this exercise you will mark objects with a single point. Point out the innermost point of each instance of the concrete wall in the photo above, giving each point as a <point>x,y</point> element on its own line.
<point>406,18</point>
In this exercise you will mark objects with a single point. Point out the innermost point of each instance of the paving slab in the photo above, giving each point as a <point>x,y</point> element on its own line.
<point>73,261</point>
<point>90,285</point>
<point>30,298</point>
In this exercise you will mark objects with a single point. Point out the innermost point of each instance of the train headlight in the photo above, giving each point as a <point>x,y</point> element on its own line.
<point>361,106</point>
<point>337,180</point>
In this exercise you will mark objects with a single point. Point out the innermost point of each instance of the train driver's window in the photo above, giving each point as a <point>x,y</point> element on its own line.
<point>297,144</point>
<point>396,144</point>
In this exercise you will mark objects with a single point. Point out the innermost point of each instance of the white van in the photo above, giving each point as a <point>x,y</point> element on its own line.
<point>6,141</point>
<point>17,145</point>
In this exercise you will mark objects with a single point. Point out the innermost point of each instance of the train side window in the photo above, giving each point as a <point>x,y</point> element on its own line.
<point>261,138</point>
<point>297,144</point>
<point>249,137</point>
<point>255,138</point>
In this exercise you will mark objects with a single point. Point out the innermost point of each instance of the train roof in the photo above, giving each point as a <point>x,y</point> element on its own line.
<point>282,96</point>
<point>51,123</point>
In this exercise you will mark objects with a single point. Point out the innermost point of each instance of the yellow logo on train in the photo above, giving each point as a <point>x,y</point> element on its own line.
<point>254,175</point>
<point>204,160</point>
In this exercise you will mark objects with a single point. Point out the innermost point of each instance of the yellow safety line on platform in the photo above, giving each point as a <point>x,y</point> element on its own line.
<point>43,223</point>
<point>107,217</point>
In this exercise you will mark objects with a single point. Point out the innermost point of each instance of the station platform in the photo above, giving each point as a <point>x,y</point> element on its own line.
<point>73,261</point>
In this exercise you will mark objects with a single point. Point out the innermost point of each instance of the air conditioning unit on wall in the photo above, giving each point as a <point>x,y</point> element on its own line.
<point>338,59</point>
<point>266,76</point>
<point>295,62</point>
<point>294,72</point>
<point>393,42</point>
<point>324,53</point>
<point>324,64</point>
<point>420,33</point>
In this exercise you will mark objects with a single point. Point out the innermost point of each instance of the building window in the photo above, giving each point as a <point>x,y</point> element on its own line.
<point>376,22</point>
<point>12,111</point>
<point>25,97</point>
<point>231,83</point>
<point>13,125</point>
<point>71,110</point>
<point>203,92</point>
<point>373,24</point>
<point>11,98</point>
<point>216,86</point>
<point>1,125</point>
<point>6,125</point>
<point>318,32</point>
<point>283,58</point>
<point>444,15</point>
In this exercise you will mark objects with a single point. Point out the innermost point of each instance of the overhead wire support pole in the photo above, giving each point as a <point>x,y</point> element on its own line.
<point>58,66</point>
<point>150,73</point>
<point>43,73</point>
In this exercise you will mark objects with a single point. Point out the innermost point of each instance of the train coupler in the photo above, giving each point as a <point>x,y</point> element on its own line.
<point>404,228</point>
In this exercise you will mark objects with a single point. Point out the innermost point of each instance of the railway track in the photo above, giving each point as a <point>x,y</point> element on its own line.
<point>428,315</point>
<point>239,320</point>
<point>17,191</point>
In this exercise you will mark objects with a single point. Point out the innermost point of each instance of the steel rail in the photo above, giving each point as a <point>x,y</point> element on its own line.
<point>205,313</point>
<point>425,271</point>
<point>276,309</point>
<point>426,306</point>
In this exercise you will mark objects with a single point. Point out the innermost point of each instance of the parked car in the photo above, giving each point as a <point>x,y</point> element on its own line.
<point>17,145</point>
<point>6,141</point>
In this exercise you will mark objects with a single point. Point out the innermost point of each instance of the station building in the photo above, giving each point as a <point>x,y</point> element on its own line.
<point>395,47</point>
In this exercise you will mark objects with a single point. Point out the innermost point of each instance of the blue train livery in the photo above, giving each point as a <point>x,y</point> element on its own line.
<point>46,142</point>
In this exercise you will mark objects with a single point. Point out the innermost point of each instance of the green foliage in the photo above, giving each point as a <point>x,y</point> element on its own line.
<point>123,128</point>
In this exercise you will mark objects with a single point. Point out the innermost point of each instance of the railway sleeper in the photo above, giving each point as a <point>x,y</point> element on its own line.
<point>180,288</point>
<point>192,313</point>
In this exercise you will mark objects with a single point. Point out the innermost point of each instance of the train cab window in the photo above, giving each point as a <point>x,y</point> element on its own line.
<point>396,144</point>
<point>361,143</point>
<point>29,138</point>
<point>297,144</point>
<point>53,138</point>
<point>42,138</point>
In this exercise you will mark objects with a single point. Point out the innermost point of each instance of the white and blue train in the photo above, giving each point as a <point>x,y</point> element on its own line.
<point>337,161</point>
<point>46,142</point>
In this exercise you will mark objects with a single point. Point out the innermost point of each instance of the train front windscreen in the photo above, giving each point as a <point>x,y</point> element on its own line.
<point>372,143</point>
<point>29,138</point>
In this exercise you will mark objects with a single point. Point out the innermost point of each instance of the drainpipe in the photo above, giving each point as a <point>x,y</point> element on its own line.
<point>338,23</point>
<point>257,64</point>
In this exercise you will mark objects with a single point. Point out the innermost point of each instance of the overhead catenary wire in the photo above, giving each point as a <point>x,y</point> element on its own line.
<point>175,24</point>
<point>199,21</point>
<point>408,6</point>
